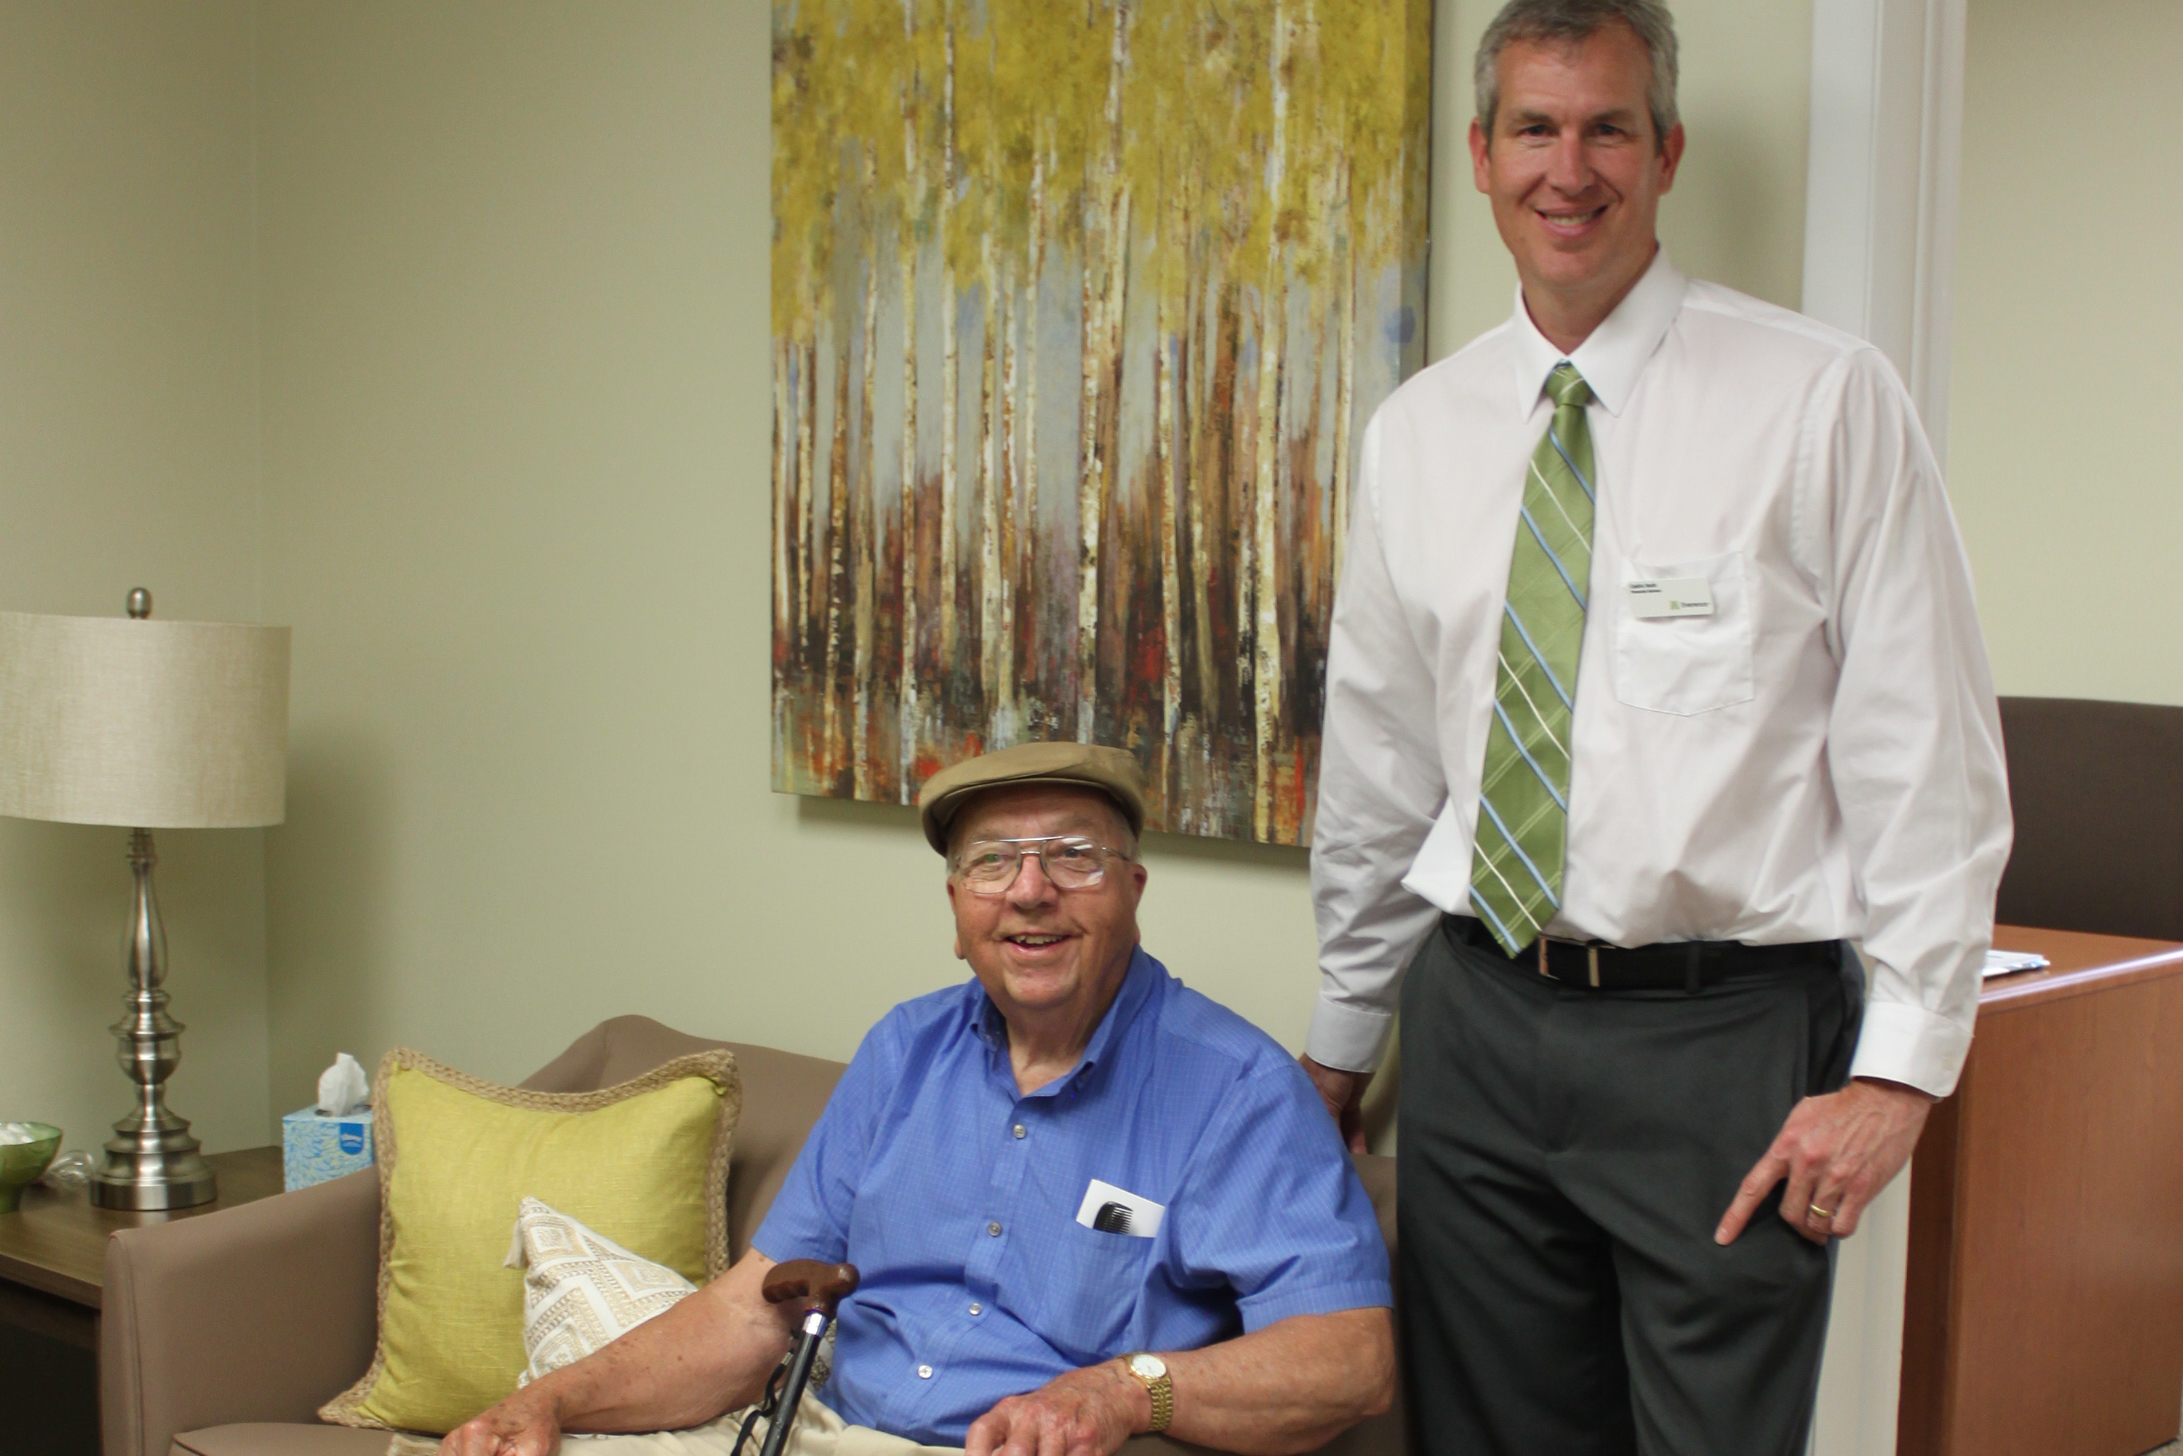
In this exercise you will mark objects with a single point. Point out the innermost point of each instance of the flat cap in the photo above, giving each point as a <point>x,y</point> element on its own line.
<point>1112,771</point>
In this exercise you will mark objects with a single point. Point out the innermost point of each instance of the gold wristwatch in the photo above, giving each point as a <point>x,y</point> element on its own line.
<point>1150,1371</point>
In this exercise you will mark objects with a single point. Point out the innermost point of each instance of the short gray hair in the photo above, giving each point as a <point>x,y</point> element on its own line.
<point>1572,21</point>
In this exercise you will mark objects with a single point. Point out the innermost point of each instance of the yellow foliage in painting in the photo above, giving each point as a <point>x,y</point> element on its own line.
<point>1079,306</point>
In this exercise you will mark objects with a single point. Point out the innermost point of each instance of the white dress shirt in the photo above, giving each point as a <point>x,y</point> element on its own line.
<point>1819,758</point>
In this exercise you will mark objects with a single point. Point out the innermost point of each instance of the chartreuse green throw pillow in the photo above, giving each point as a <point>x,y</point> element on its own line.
<point>644,1163</point>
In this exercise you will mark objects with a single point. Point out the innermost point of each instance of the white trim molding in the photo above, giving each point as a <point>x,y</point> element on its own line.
<point>1879,261</point>
<point>1880,184</point>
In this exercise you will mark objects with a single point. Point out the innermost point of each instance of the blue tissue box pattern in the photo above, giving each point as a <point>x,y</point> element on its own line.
<point>315,1147</point>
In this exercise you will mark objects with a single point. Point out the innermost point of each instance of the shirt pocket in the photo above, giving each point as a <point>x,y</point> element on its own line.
<point>1088,1295</point>
<point>1686,665</point>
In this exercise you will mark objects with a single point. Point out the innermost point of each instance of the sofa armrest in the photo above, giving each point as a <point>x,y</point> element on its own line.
<point>257,1313</point>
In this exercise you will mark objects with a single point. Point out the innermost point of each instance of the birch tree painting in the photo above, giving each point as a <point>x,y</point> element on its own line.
<point>1079,307</point>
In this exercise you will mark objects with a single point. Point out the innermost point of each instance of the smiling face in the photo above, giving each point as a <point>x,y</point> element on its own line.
<point>1575,174</point>
<point>1037,949</point>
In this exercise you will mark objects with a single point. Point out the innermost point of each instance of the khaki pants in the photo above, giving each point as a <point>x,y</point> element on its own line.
<point>818,1432</point>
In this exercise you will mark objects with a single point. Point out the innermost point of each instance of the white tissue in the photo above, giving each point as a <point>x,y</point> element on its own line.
<point>342,1087</point>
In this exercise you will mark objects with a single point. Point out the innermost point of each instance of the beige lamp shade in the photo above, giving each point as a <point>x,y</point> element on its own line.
<point>145,724</point>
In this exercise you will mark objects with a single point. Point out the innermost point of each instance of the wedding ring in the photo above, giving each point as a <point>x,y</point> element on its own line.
<point>1818,1212</point>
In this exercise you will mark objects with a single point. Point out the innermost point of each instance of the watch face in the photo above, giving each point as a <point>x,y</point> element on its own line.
<point>1151,1367</point>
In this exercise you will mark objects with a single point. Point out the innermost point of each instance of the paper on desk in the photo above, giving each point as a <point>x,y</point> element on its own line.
<point>2008,962</point>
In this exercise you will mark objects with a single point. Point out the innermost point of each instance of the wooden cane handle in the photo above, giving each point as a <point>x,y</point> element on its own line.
<point>819,1286</point>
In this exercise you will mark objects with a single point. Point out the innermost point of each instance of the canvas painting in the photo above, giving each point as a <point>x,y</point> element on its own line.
<point>1079,310</point>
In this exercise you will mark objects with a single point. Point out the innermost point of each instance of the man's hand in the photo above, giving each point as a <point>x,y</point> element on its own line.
<point>1837,1152</point>
<point>522,1425</point>
<point>1343,1093</point>
<point>1088,1412</point>
<point>707,1354</point>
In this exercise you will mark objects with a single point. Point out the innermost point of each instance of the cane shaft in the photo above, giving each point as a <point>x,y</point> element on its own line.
<point>799,1374</point>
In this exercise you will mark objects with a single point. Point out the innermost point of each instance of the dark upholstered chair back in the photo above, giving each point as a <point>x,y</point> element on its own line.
<point>2097,789</point>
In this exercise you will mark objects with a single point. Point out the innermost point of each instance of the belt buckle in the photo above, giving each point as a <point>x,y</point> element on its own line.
<point>1591,957</point>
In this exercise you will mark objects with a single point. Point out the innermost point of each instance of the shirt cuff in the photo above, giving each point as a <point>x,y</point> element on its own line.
<point>1347,1038</point>
<point>1271,1306</point>
<point>1911,1045</point>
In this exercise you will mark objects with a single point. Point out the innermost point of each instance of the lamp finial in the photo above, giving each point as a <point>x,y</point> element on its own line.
<point>140,603</point>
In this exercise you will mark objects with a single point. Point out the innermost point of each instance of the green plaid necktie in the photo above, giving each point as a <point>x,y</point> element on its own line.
<point>1523,812</point>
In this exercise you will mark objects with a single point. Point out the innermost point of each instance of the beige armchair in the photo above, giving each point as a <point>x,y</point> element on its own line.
<point>222,1335</point>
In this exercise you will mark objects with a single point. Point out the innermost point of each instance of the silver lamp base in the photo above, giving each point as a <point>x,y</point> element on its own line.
<point>152,1162</point>
<point>153,1168</point>
<point>151,1181</point>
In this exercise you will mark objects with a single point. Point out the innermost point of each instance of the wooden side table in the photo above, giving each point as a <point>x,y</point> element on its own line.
<point>52,1259</point>
<point>2044,1304</point>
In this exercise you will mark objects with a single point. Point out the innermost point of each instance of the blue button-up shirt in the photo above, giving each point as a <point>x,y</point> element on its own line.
<point>956,1197</point>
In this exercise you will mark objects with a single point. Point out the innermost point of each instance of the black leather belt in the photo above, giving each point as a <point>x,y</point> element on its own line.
<point>1678,965</point>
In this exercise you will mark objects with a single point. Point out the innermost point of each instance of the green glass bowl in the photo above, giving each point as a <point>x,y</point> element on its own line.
<point>21,1163</point>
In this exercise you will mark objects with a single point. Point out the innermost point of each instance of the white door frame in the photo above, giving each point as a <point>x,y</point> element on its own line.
<point>1880,186</point>
<point>1879,261</point>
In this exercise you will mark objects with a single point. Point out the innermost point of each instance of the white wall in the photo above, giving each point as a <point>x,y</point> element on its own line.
<point>2063,463</point>
<point>127,458</point>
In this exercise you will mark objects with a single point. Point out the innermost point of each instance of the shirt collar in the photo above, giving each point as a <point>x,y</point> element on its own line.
<point>1617,351</point>
<point>1138,983</point>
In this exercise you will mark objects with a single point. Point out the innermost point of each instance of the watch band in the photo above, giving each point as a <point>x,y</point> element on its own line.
<point>1160,1387</point>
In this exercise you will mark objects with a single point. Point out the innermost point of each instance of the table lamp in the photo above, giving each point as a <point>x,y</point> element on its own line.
<point>144,725</point>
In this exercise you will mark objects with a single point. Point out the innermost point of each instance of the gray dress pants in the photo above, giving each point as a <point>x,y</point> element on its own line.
<point>1563,1158</point>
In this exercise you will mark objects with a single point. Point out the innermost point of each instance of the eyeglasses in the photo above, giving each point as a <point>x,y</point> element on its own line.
<point>1072,862</point>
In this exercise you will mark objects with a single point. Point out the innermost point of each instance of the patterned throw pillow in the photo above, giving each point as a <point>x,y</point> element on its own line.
<point>581,1290</point>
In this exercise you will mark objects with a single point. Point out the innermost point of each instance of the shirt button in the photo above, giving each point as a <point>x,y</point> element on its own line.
<point>1018,1129</point>
<point>994,1229</point>
<point>976,1308</point>
<point>924,1372</point>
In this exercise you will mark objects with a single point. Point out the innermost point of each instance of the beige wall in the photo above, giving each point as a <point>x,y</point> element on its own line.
<point>516,442</point>
<point>127,457</point>
<point>497,447</point>
<point>516,423</point>
<point>2062,461</point>
<point>1736,214</point>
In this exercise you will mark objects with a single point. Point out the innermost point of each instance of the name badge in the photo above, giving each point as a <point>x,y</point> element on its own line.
<point>1671,596</point>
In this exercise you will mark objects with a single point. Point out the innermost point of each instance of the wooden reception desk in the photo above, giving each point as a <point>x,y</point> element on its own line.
<point>2043,1312</point>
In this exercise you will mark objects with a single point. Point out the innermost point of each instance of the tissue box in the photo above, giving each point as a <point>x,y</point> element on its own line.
<point>315,1147</point>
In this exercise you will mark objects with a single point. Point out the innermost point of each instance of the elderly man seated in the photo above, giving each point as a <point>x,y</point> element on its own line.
<point>966,1160</point>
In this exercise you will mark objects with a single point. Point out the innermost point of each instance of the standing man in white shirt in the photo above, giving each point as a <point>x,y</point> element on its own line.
<point>1655,678</point>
